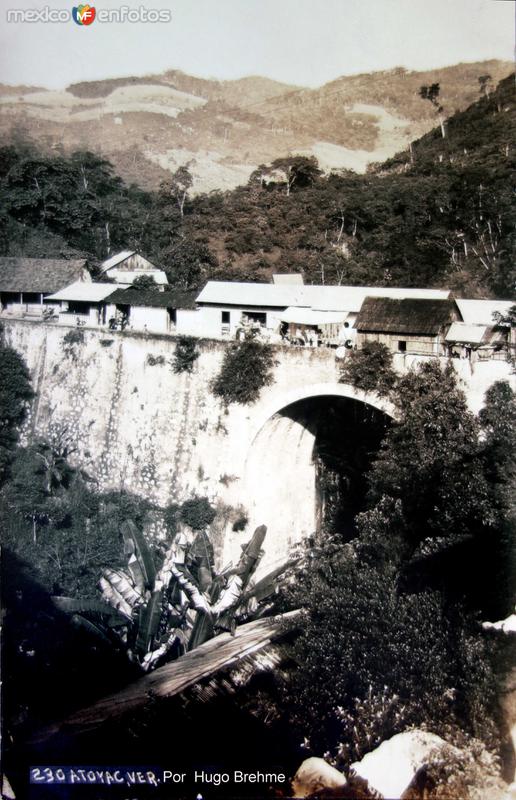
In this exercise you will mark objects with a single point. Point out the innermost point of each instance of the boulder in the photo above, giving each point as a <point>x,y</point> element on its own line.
<point>392,767</point>
<point>315,774</point>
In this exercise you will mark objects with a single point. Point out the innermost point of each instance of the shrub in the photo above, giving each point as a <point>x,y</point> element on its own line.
<point>369,369</point>
<point>153,361</point>
<point>373,661</point>
<point>240,523</point>
<point>197,513</point>
<point>186,354</point>
<point>73,337</point>
<point>145,283</point>
<point>246,369</point>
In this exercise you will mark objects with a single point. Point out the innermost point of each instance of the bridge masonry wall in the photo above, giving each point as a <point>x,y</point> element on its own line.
<point>140,426</point>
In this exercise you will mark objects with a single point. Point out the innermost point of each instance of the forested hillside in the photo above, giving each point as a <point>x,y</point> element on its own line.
<point>438,214</point>
<point>149,126</point>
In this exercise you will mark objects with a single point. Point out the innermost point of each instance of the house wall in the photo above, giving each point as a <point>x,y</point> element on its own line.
<point>210,319</point>
<point>421,345</point>
<point>89,318</point>
<point>152,319</point>
<point>201,322</point>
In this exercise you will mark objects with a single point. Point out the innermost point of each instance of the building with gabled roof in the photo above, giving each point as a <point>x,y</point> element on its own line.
<point>126,266</point>
<point>27,283</point>
<point>407,325</point>
<point>85,303</point>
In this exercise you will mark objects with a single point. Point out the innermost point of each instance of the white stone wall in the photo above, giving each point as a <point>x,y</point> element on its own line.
<point>166,437</point>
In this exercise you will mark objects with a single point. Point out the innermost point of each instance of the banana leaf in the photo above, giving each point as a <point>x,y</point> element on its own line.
<point>189,587</point>
<point>121,581</point>
<point>143,570</point>
<point>148,624</point>
<point>110,585</point>
<point>95,630</point>
<point>97,608</point>
<point>267,585</point>
<point>203,626</point>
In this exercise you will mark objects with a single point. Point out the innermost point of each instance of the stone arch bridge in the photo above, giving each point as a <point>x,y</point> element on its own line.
<point>137,425</point>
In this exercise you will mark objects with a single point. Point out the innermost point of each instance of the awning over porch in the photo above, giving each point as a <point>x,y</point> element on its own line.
<point>463,333</point>
<point>307,316</point>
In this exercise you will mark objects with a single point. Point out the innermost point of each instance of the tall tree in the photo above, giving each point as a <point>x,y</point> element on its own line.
<point>429,463</point>
<point>431,93</point>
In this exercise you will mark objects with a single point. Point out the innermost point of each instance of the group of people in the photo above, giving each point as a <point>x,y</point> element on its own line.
<point>302,337</point>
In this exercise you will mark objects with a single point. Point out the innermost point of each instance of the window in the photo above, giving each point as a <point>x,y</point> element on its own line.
<point>257,316</point>
<point>225,317</point>
<point>402,346</point>
<point>78,307</point>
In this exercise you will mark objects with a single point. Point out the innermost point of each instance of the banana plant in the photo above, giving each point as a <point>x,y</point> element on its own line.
<point>151,611</point>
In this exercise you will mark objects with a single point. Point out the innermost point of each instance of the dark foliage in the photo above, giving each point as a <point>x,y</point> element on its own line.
<point>15,393</point>
<point>369,369</point>
<point>429,460</point>
<point>146,283</point>
<point>186,354</point>
<point>197,513</point>
<point>246,369</point>
<point>72,338</point>
<point>372,661</point>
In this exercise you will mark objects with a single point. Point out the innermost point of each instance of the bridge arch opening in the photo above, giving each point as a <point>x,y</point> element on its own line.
<point>305,469</point>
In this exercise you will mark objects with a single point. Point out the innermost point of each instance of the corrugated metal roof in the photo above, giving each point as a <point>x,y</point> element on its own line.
<point>467,334</point>
<point>408,316</point>
<point>117,259</point>
<point>480,312</point>
<point>288,279</point>
<point>153,298</point>
<point>307,316</point>
<point>320,298</point>
<point>40,274</point>
<point>85,292</point>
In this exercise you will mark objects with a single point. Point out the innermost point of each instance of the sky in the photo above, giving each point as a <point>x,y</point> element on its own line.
<point>302,42</point>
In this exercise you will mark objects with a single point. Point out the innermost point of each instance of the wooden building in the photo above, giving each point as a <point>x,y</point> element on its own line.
<point>417,326</point>
<point>27,283</point>
<point>124,267</point>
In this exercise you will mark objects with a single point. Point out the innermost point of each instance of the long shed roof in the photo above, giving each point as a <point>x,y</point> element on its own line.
<point>413,316</point>
<point>480,312</point>
<point>320,298</point>
<point>18,274</point>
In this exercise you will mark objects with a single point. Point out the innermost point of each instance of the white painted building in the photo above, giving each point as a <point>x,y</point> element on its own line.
<point>224,303</point>
<point>151,310</point>
<point>83,303</point>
